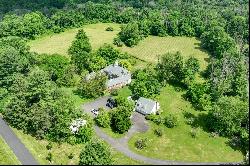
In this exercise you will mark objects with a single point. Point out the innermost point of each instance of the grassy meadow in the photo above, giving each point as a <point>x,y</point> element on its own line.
<point>177,143</point>
<point>147,50</point>
<point>151,48</point>
<point>60,152</point>
<point>59,43</point>
<point>7,157</point>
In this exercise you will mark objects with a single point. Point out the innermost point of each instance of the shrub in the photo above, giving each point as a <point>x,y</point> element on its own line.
<point>103,118</point>
<point>130,34</point>
<point>49,146</point>
<point>150,117</point>
<point>114,92</point>
<point>194,132</point>
<point>70,156</point>
<point>190,121</point>
<point>158,132</point>
<point>118,42</point>
<point>158,120</point>
<point>120,119</point>
<point>141,143</point>
<point>57,29</point>
<point>109,29</point>
<point>49,157</point>
<point>125,64</point>
<point>95,153</point>
<point>170,121</point>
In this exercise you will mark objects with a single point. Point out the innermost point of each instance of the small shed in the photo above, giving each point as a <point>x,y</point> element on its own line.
<point>147,106</point>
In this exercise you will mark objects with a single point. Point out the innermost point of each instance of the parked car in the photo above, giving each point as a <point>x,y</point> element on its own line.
<point>95,111</point>
<point>111,103</point>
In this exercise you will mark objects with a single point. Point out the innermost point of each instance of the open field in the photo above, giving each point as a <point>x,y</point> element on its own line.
<point>60,152</point>
<point>152,47</point>
<point>177,143</point>
<point>7,157</point>
<point>148,49</point>
<point>59,43</point>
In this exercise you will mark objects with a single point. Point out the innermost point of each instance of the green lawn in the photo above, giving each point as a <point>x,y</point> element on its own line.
<point>152,47</point>
<point>78,99</point>
<point>124,92</point>
<point>7,157</point>
<point>59,43</point>
<point>148,49</point>
<point>177,143</point>
<point>60,152</point>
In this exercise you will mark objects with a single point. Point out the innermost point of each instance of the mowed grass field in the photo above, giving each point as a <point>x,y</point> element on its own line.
<point>59,43</point>
<point>7,157</point>
<point>60,152</point>
<point>177,143</point>
<point>149,49</point>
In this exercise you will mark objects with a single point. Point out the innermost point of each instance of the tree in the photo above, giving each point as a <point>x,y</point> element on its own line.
<point>170,121</point>
<point>124,102</point>
<point>146,84</point>
<point>95,153</point>
<point>92,87</point>
<point>217,41</point>
<point>16,42</point>
<point>120,120</point>
<point>191,67</point>
<point>108,53</point>
<point>171,67</point>
<point>69,77</point>
<point>33,25</point>
<point>11,63</point>
<point>39,108</point>
<point>55,64</point>
<point>228,76</point>
<point>130,34</point>
<point>11,25</point>
<point>80,60</point>
<point>199,95</point>
<point>229,116</point>
<point>144,28</point>
<point>103,118</point>
<point>237,27</point>
<point>80,44</point>
<point>96,63</point>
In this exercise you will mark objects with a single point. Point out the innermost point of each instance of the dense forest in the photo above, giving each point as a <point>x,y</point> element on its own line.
<point>30,84</point>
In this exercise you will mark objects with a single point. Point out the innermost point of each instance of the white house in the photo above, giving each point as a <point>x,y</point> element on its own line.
<point>147,106</point>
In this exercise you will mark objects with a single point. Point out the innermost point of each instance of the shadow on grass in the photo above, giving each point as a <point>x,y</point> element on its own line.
<point>201,121</point>
<point>236,144</point>
<point>196,121</point>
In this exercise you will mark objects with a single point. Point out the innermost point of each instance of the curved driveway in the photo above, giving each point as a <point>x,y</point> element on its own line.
<point>139,125</point>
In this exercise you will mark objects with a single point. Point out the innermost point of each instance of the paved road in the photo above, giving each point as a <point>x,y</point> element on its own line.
<point>21,152</point>
<point>98,103</point>
<point>139,125</point>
